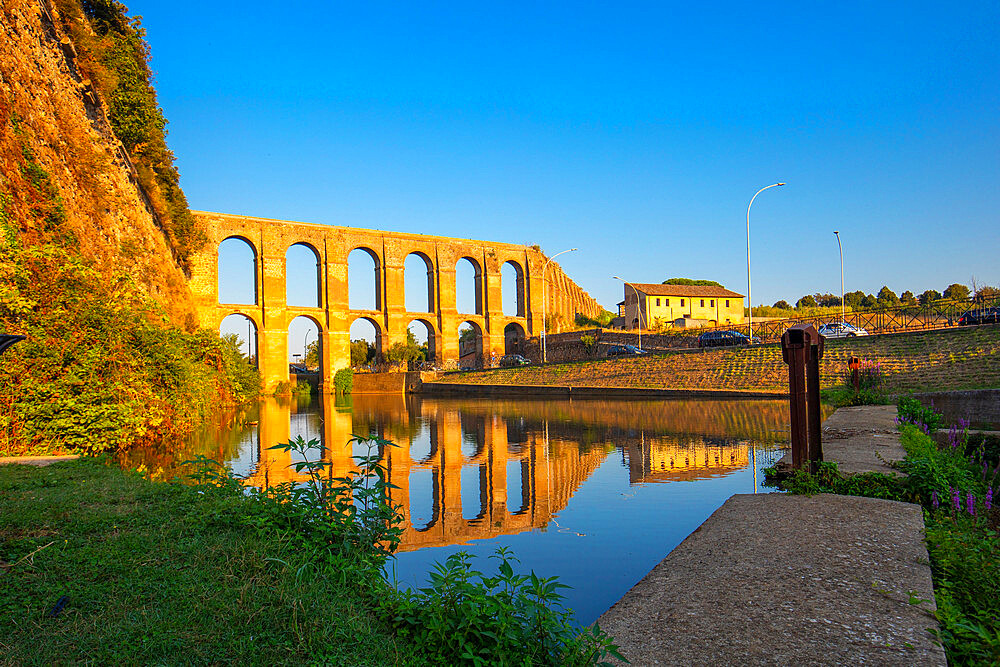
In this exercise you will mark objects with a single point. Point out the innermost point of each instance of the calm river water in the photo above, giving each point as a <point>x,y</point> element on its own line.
<point>595,491</point>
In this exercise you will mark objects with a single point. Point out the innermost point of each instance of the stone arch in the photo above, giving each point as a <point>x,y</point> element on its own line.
<point>302,276</point>
<point>518,474</point>
<point>359,331</point>
<point>512,289</point>
<point>237,261</point>
<point>463,283</point>
<point>470,345</point>
<point>513,339</point>
<point>419,290</point>
<point>364,293</point>
<point>305,331</point>
<point>427,336</point>
<point>420,481</point>
<point>244,327</point>
<point>474,502</point>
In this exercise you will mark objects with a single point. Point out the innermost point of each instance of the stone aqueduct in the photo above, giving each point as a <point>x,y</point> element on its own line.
<point>271,315</point>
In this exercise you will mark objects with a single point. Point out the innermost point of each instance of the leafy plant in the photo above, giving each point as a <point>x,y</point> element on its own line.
<point>343,381</point>
<point>467,617</point>
<point>911,411</point>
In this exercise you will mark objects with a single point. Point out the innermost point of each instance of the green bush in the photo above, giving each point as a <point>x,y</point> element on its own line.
<point>343,381</point>
<point>911,411</point>
<point>466,617</point>
<point>101,368</point>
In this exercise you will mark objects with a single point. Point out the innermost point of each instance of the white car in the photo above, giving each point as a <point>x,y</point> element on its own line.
<point>841,330</point>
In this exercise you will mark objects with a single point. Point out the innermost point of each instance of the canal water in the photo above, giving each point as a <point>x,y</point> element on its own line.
<point>594,491</point>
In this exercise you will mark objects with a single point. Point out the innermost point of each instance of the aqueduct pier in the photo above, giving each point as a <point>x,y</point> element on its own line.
<point>271,314</point>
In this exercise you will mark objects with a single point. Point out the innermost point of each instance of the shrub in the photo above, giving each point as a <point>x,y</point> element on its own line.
<point>343,381</point>
<point>911,411</point>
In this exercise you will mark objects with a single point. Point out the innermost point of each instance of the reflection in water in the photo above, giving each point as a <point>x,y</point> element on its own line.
<point>476,469</point>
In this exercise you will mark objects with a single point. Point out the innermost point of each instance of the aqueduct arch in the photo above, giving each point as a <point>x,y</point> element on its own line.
<point>270,240</point>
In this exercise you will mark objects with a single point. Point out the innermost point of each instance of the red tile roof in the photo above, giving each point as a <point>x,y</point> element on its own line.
<point>654,289</point>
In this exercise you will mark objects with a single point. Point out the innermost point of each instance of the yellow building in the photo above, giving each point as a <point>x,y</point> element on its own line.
<point>679,306</point>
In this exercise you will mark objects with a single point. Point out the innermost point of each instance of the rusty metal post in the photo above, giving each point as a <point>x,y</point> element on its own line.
<point>812,380</point>
<point>855,365</point>
<point>794,349</point>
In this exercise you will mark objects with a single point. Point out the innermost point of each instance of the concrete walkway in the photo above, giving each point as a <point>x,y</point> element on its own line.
<point>773,579</point>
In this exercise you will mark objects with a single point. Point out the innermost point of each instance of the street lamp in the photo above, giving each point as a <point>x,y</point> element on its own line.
<point>545,300</point>
<point>749,297</point>
<point>638,312</point>
<point>837,234</point>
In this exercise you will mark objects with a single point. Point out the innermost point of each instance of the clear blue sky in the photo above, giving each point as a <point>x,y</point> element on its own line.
<point>635,131</point>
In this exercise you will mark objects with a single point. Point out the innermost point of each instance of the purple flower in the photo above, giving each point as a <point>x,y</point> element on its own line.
<point>970,503</point>
<point>956,498</point>
<point>989,498</point>
<point>936,503</point>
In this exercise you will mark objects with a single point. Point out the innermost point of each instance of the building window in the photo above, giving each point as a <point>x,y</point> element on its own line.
<point>668,301</point>
<point>702,303</point>
<point>712,303</point>
<point>682,303</point>
<point>657,302</point>
<point>727,303</point>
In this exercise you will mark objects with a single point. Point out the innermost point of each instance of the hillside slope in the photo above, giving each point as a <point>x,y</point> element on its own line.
<point>54,122</point>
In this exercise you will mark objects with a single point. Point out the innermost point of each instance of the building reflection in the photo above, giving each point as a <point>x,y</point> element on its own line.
<point>465,471</point>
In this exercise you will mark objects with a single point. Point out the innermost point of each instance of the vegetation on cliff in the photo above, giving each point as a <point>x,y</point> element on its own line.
<point>103,367</point>
<point>115,57</point>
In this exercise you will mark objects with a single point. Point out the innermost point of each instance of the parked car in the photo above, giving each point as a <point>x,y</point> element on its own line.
<point>840,330</point>
<point>723,338</point>
<point>980,316</point>
<point>513,360</point>
<point>625,350</point>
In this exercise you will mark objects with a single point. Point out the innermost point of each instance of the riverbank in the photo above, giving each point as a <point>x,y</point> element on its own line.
<point>154,572</point>
<point>967,358</point>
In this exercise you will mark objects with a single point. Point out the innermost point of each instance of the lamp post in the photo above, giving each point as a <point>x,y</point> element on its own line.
<point>749,297</point>
<point>545,300</point>
<point>842,318</point>
<point>638,312</point>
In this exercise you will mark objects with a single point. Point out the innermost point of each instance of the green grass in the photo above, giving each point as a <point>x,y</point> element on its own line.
<point>164,573</point>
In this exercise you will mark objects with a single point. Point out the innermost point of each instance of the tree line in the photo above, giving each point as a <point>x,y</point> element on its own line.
<point>886,298</point>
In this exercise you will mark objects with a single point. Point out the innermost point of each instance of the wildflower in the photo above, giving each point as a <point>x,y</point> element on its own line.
<point>956,498</point>
<point>970,503</point>
<point>936,503</point>
<point>989,498</point>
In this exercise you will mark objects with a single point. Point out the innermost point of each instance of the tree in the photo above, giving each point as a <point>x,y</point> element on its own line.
<point>869,301</point>
<point>362,352</point>
<point>826,300</point>
<point>956,291</point>
<point>928,296</point>
<point>690,281</point>
<point>806,302</point>
<point>854,299</point>
<point>312,354</point>
<point>988,293</point>
<point>405,352</point>
<point>907,298</point>
<point>783,305</point>
<point>887,298</point>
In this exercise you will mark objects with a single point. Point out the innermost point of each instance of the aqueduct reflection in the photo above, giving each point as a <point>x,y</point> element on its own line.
<point>465,474</point>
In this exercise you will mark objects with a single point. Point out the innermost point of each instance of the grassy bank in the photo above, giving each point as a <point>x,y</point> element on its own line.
<point>165,573</point>
<point>104,566</point>
<point>967,358</point>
